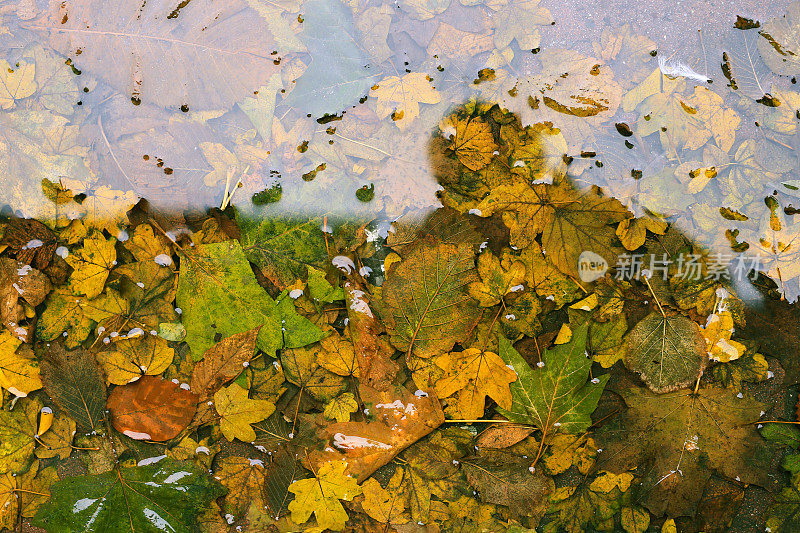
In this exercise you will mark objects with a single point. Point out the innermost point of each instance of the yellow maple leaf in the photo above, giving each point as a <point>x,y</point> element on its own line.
<point>19,370</point>
<point>130,359</point>
<point>718,332</point>
<point>237,412</point>
<point>243,478</point>
<point>498,278</point>
<point>145,245</point>
<point>320,496</point>
<point>106,208</point>
<point>402,96</point>
<point>92,264</point>
<point>9,501</point>
<point>16,83</point>
<point>386,505</point>
<point>475,374</point>
<point>337,355</point>
<point>339,408</point>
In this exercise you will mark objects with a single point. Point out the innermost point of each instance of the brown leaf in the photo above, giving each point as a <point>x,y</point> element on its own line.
<point>502,436</point>
<point>374,354</point>
<point>30,241</point>
<point>223,362</point>
<point>74,381</point>
<point>19,281</point>
<point>401,418</point>
<point>151,409</point>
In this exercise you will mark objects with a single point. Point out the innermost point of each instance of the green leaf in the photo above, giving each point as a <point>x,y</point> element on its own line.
<point>784,514</point>
<point>165,496</point>
<point>320,289</point>
<point>283,248</point>
<point>555,395</point>
<point>668,351</point>
<point>219,297</point>
<point>786,434</point>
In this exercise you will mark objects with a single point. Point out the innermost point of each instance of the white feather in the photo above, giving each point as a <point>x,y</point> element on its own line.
<point>680,69</point>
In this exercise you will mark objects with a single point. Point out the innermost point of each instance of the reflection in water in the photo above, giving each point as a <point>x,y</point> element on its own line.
<point>320,104</point>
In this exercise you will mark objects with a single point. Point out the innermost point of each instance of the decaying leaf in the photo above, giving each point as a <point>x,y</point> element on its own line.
<point>678,439</point>
<point>73,380</point>
<point>223,362</point>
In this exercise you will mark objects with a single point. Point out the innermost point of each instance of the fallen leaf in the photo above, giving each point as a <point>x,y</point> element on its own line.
<point>427,308</point>
<point>16,83</point>
<point>151,408</point>
<point>73,380</point>
<point>134,498</point>
<point>669,352</point>
<point>341,407</point>
<point>92,264</point>
<point>320,496</point>
<point>19,369</point>
<point>130,359</point>
<point>676,440</point>
<point>238,412</point>
<point>498,276</point>
<point>555,396</point>
<point>401,96</point>
<point>474,374</point>
<point>243,478</point>
<point>223,362</point>
<point>19,281</point>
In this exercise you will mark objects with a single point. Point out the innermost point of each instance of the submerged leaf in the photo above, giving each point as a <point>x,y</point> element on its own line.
<point>668,351</point>
<point>320,496</point>
<point>427,308</point>
<point>164,496</point>
<point>556,394</point>
<point>75,382</point>
<point>151,408</point>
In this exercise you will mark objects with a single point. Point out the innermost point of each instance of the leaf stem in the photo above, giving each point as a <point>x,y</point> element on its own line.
<point>661,309</point>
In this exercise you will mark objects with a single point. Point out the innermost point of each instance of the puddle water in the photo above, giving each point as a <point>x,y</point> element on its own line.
<point>621,173</point>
